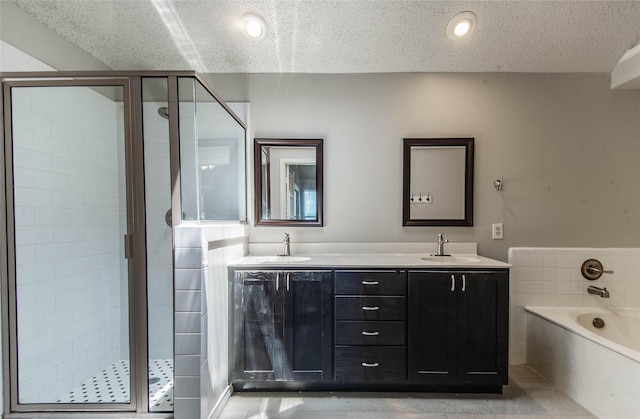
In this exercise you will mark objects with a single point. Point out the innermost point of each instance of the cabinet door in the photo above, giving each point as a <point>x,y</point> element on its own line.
<point>483,309</point>
<point>432,329</point>
<point>307,325</point>
<point>258,322</point>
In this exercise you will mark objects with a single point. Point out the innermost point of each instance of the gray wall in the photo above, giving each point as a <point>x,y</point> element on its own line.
<point>567,146</point>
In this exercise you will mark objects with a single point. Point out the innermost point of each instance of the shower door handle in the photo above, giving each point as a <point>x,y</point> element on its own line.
<point>128,246</point>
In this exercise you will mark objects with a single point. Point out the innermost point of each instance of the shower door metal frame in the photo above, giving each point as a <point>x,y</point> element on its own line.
<point>136,228</point>
<point>132,80</point>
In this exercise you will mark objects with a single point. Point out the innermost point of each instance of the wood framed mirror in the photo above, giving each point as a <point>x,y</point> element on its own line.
<point>288,182</point>
<point>437,182</point>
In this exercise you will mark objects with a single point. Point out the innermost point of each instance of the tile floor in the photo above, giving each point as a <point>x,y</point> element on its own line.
<point>111,385</point>
<point>527,396</point>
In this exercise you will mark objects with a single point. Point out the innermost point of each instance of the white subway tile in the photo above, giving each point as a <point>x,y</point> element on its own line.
<point>68,233</point>
<point>52,251</point>
<point>34,273</point>
<point>24,216</point>
<point>70,266</point>
<point>63,199</point>
<point>29,197</point>
<point>53,287</point>
<point>50,181</point>
<point>65,132</point>
<point>32,122</point>
<point>23,177</point>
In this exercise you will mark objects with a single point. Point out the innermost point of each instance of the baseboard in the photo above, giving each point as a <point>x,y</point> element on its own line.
<point>221,403</point>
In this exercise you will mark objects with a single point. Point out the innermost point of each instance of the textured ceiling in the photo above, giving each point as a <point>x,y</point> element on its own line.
<point>316,36</point>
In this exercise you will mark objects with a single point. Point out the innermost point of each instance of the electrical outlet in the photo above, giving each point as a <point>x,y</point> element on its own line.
<point>497,231</point>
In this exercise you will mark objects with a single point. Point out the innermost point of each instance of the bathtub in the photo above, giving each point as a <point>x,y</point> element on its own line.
<point>598,367</point>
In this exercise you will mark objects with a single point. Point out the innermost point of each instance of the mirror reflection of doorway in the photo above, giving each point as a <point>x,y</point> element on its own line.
<point>298,197</point>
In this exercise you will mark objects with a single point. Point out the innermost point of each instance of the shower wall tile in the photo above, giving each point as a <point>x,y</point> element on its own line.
<point>188,279</point>
<point>551,277</point>
<point>186,386</point>
<point>187,318</point>
<point>12,59</point>
<point>186,408</point>
<point>200,287</point>
<point>189,237</point>
<point>187,344</point>
<point>69,262</point>
<point>188,365</point>
<point>188,301</point>
<point>188,258</point>
<point>187,322</point>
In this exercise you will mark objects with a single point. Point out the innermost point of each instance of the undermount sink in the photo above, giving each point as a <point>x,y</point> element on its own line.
<point>450,259</point>
<point>278,259</point>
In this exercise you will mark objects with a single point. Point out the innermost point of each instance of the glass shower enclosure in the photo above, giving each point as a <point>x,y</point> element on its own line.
<point>91,190</point>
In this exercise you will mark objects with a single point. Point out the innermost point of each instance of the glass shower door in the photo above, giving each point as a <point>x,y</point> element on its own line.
<point>70,209</point>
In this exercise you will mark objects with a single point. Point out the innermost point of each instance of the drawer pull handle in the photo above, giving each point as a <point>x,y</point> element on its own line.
<point>367,308</point>
<point>453,283</point>
<point>370,365</point>
<point>369,282</point>
<point>464,283</point>
<point>371,333</point>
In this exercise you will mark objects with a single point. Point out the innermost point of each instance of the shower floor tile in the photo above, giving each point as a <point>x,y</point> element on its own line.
<point>161,385</point>
<point>111,385</point>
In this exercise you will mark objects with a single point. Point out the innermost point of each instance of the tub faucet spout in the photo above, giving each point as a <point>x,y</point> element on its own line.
<point>602,292</point>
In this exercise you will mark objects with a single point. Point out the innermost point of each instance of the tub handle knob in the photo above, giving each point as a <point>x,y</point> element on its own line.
<point>592,269</point>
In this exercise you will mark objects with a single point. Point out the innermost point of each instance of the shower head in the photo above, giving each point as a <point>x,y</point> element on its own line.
<point>163,112</point>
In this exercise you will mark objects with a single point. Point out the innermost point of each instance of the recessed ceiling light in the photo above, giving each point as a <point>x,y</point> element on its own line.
<point>461,25</point>
<point>254,26</point>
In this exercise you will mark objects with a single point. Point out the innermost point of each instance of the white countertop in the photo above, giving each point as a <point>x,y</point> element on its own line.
<point>370,260</point>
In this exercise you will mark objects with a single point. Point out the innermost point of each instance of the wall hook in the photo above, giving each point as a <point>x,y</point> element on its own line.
<point>498,184</point>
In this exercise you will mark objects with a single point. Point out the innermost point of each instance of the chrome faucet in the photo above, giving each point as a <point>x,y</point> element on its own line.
<point>602,292</point>
<point>441,242</point>
<point>287,245</point>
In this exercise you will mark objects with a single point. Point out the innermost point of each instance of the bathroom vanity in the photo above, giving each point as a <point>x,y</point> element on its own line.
<point>369,322</point>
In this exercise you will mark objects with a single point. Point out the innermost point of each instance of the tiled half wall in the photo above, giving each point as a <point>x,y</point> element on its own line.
<point>202,254</point>
<point>550,277</point>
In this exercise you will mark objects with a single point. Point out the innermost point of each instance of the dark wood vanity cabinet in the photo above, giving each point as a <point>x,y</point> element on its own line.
<point>458,327</point>
<point>405,329</point>
<point>370,327</point>
<point>283,326</point>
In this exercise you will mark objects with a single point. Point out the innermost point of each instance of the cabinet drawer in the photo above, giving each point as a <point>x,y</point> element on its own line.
<point>371,282</point>
<point>369,308</point>
<point>370,333</point>
<point>378,364</point>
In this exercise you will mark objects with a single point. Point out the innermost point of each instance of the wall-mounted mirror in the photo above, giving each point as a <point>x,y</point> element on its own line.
<point>437,182</point>
<point>288,182</point>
